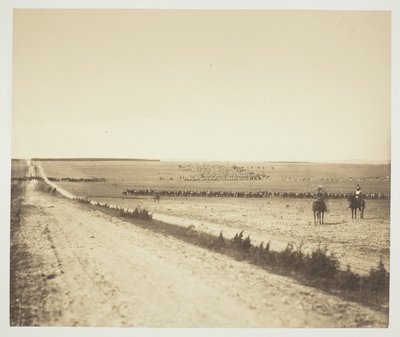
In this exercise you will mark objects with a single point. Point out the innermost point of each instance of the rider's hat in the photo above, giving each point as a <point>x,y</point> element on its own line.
<point>358,187</point>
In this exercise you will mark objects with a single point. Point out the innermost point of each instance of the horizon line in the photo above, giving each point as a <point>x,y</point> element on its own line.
<point>344,161</point>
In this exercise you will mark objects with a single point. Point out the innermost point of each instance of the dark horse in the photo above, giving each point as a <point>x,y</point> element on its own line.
<point>319,209</point>
<point>354,204</point>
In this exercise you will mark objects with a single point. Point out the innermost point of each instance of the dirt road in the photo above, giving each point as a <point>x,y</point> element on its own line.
<point>86,268</point>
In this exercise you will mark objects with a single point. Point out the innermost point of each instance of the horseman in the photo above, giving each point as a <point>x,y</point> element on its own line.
<point>320,196</point>
<point>358,194</point>
<point>319,206</point>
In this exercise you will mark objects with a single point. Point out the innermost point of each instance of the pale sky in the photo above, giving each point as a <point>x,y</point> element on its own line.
<point>202,84</point>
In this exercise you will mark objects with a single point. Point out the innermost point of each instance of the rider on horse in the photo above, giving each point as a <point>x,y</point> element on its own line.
<point>319,206</point>
<point>356,202</point>
<point>358,194</point>
<point>320,195</point>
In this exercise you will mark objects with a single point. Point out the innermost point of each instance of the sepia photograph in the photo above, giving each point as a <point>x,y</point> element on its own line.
<point>200,168</point>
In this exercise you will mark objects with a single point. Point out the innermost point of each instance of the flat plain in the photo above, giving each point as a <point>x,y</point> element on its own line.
<point>72,257</point>
<point>360,243</point>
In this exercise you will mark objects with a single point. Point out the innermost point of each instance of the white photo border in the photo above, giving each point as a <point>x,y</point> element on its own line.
<point>6,13</point>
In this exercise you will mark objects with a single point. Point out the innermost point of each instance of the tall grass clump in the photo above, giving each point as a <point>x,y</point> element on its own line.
<point>240,244</point>
<point>217,243</point>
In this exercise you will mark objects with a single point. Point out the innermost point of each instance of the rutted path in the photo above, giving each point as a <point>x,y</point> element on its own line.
<point>103,271</point>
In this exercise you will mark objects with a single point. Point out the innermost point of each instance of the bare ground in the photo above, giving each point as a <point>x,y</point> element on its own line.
<point>361,243</point>
<point>81,267</point>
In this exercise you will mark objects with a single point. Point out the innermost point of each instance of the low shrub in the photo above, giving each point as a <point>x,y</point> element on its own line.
<point>377,281</point>
<point>347,280</point>
<point>138,213</point>
<point>321,265</point>
<point>82,200</point>
<point>318,268</point>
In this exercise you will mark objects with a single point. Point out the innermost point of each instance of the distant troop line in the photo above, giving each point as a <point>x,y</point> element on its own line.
<point>233,194</point>
<point>77,179</point>
<point>26,178</point>
<point>223,178</point>
<point>35,177</point>
<point>217,172</point>
<point>220,172</point>
<point>336,179</point>
<point>253,176</point>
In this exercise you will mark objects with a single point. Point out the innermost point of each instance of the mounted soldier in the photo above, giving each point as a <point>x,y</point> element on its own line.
<point>321,194</point>
<point>319,206</point>
<point>358,194</point>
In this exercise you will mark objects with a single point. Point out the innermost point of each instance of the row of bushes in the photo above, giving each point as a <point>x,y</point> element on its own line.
<point>318,268</point>
<point>137,213</point>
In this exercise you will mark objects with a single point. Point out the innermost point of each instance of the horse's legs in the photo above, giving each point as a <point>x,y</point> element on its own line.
<point>317,218</point>
<point>354,213</point>
<point>322,217</point>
